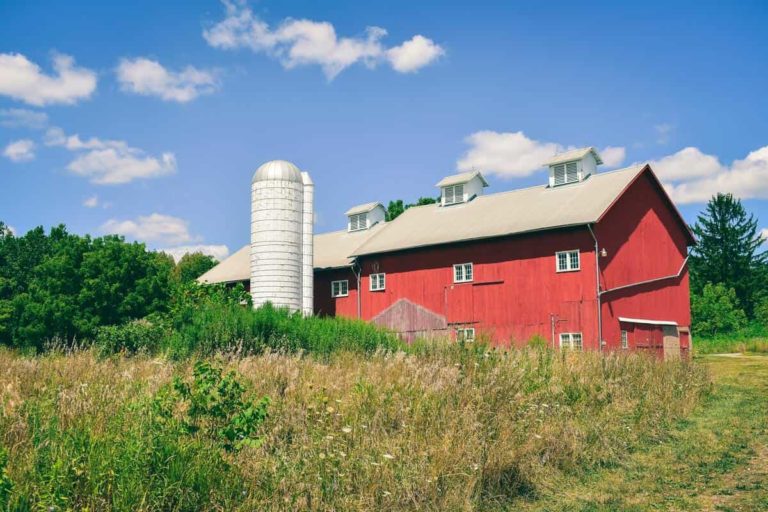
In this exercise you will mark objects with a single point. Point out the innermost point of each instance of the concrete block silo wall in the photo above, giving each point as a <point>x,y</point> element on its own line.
<point>308,273</point>
<point>277,244</point>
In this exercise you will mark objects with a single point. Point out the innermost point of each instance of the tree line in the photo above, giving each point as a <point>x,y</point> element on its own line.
<point>59,284</point>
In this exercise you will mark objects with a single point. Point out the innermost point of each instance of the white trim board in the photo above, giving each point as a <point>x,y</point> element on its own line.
<point>645,321</point>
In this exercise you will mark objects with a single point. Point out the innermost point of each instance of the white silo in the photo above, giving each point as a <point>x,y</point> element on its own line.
<point>277,241</point>
<point>307,277</point>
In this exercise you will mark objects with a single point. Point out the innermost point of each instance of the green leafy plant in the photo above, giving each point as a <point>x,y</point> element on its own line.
<point>216,405</point>
<point>131,337</point>
<point>716,311</point>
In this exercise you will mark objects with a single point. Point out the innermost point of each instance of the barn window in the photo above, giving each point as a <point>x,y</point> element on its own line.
<point>570,340</point>
<point>378,282</point>
<point>453,194</point>
<point>340,288</point>
<point>566,173</point>
<point>624,340</point>
<point>358,221</point>
<point>463,273</point>
<point>567,261</point>
<point>465,334</point>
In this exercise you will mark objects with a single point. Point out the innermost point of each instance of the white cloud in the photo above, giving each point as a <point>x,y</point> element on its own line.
<point>414,54</point>
<point>613,156</point>
<point>11,229</point>
<point>513,154</point>
<point>110,162</point>
<point>23,118</point>
<point>691,176</point>
<point>150,78</point>
<point>306,42</point>
<point>23,80</point>
<point>686,164</point>
<point>663,132</point>
<point>91,202</point>
<point>764,234</point>
<point>20,150</point>
<point>217,251</point>
<point>154,228</point>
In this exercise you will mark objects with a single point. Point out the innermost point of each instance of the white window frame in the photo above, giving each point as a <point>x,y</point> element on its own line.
<point>565,167</point>
<point>568,263</point>
<point>378,282</point>
<point>454,198</point>
<point>355,221</point>
<point>568,339</point>
<point>624,339</point>
<point>461,268</point>
<point>465,334</point>
<point>343,284</point>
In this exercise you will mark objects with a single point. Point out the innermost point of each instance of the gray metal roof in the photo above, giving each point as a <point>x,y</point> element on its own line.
<point>331,250</point>
<point>281,170</point>
<point>237,267</point>
<point>363,208</point>
<point>505,213</point>
<point>575,154</point>
<point>463,177</point>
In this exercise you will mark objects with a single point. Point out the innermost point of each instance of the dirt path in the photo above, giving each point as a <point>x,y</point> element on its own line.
<point>717,460</point>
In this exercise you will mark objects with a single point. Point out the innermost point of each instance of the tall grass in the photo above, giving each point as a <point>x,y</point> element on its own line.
<point>450,428</point>
<point>753,338</point>
<point>211,327</point>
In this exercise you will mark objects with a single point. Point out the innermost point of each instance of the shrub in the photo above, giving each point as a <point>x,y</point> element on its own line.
<point>221,327</point>
<point>214,405</point>
<point>715,311</point>
<point>131,337</point>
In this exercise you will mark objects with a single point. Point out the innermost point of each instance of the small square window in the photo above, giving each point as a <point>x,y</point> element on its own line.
<point>624,340</point>
<point>378,282</point>
<point>567,261</point>
<point>340,288</point>
<point>466,334</point>
<point>463,273</point>
<point>571,340</point>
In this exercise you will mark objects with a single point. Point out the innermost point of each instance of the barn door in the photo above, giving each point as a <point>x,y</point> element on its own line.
<point>671,342</point>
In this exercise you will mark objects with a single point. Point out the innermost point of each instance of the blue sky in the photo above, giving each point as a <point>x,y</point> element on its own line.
<point>149,118</point>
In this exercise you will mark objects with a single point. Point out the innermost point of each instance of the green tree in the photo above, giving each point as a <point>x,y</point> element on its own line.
<point>727,247</point>
<point>64,285</point>
<point>716,311</point>
<point>193,265</point>
<point>397,207</point>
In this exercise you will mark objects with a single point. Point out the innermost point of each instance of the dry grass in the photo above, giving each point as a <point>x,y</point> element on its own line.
<point>450,429</point>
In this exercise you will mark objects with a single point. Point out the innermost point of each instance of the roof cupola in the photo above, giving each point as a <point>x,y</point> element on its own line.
<point>573,166</point>
<point>461,188</point>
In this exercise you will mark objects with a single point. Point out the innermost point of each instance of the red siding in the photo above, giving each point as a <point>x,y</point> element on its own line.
<point>644,240</point>
<point>515,291</point>
<point>326,305</point>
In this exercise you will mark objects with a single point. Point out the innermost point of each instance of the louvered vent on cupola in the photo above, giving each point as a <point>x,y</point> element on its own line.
<point>461,188</point>
<point>365,216</point>
<point>573,166</point>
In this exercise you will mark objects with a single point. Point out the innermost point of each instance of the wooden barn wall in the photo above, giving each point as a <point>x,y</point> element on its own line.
<point>515,290</point>
<point>644,240</point>
<point>325,305</point>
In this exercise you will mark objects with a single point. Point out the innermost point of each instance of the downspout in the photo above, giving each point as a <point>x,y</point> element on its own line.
<point>357,271</point>
<point>598,293</point>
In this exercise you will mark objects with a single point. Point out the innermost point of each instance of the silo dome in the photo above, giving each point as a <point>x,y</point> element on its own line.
<point>279,170</point>
<point>279,206</point>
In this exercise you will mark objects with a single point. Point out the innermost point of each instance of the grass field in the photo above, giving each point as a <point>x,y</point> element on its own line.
<point>440,429</point>
<point>717,459</point>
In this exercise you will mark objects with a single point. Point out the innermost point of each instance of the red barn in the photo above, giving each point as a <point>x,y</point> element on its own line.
<point>589,256</point>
